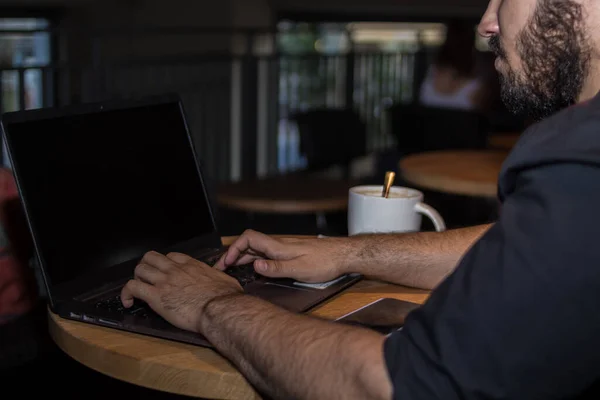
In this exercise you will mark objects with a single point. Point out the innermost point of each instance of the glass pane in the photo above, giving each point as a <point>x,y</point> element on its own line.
<point>10,91</point>
<point>20,24</point>
<point>22,48</point>
<point>30,49</point>
<point>33,89</point>
<point>395,37</point>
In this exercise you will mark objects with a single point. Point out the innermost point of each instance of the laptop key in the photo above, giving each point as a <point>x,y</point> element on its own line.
<point>244,274</point>
<point>139,308</point>
<point>212,260</point>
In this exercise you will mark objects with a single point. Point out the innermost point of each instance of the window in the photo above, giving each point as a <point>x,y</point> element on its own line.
<point>25,49</point>
<point>25,57</point>
<point>313,70</point>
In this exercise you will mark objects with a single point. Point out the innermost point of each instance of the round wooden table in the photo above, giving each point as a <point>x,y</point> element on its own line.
<point>470,173</point>
<point>503,140</point>
<point>287,195</point>
<point>185,369</point>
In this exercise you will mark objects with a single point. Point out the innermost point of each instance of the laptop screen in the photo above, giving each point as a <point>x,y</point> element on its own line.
<point>106,187</point>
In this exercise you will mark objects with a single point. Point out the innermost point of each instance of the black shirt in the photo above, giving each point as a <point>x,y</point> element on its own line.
<point>519,318</point>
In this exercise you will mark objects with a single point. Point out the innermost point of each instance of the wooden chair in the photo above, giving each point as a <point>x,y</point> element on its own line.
<point>330,137</point>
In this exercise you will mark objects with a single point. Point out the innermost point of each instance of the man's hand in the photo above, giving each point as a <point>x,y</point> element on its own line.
<point>177,287</point>
<point>421,259</point>
<point>305,260</point>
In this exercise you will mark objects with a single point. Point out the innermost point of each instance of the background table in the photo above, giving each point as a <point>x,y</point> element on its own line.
<point>287,194</point>
<point>503,140</point>
<point>469,172</point>
<point>185,369</point>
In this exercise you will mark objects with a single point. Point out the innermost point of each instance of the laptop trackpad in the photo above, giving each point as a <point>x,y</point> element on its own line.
<point>291,298</point>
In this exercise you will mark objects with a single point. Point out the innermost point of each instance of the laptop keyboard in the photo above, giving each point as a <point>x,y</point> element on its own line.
<point>139,308</point>
<point>244,274</point>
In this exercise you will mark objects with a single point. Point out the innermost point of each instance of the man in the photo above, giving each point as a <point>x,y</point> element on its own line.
<point>514,310</point>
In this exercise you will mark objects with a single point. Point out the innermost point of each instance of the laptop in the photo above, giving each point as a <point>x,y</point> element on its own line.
<point>102,184</point>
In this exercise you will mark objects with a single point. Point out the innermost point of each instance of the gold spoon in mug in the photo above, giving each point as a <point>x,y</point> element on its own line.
<point>389,181</point>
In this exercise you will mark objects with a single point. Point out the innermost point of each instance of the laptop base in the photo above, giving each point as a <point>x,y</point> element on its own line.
<point>279,292</point>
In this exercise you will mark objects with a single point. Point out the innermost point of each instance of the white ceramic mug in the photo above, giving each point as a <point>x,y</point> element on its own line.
<point>369,212</point>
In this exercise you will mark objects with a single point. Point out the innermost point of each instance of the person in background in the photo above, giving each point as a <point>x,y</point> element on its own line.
<point>452,81</point>
<point>514,309</point>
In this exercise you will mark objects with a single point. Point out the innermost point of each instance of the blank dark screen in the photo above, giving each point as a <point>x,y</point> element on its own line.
<point>105,188</point>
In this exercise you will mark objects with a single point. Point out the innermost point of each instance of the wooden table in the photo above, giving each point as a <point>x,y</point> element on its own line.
<point>185,369</point>
<point>503,140</point>
<point>287,195</point>
<point>470,173</point>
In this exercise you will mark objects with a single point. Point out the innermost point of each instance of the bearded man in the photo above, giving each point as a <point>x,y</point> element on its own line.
<point>514,309</point>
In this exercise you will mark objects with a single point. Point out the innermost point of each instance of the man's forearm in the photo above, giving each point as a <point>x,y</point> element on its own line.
<point>293,356</point>
<point>420,259</point>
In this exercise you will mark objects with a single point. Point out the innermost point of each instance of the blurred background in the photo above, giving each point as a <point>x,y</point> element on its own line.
<point>274,90</point>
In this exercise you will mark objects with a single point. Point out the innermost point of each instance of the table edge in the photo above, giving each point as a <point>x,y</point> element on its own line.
<point>454,186</point>
<point>441,184</point>
<point>67,342</point>
<point>281,206</point>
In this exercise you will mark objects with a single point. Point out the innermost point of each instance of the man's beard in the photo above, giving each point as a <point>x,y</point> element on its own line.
<point>555,59</point>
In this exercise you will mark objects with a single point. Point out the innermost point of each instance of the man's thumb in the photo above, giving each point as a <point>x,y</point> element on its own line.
<point>272,268</point>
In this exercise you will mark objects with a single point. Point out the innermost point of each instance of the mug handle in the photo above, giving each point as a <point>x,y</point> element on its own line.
<point>433,215</point>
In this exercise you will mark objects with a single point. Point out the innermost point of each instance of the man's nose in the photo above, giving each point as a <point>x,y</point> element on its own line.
<point>488,26</point>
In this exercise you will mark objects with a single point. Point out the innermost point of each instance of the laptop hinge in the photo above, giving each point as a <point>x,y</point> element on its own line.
<point>102,290</point>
